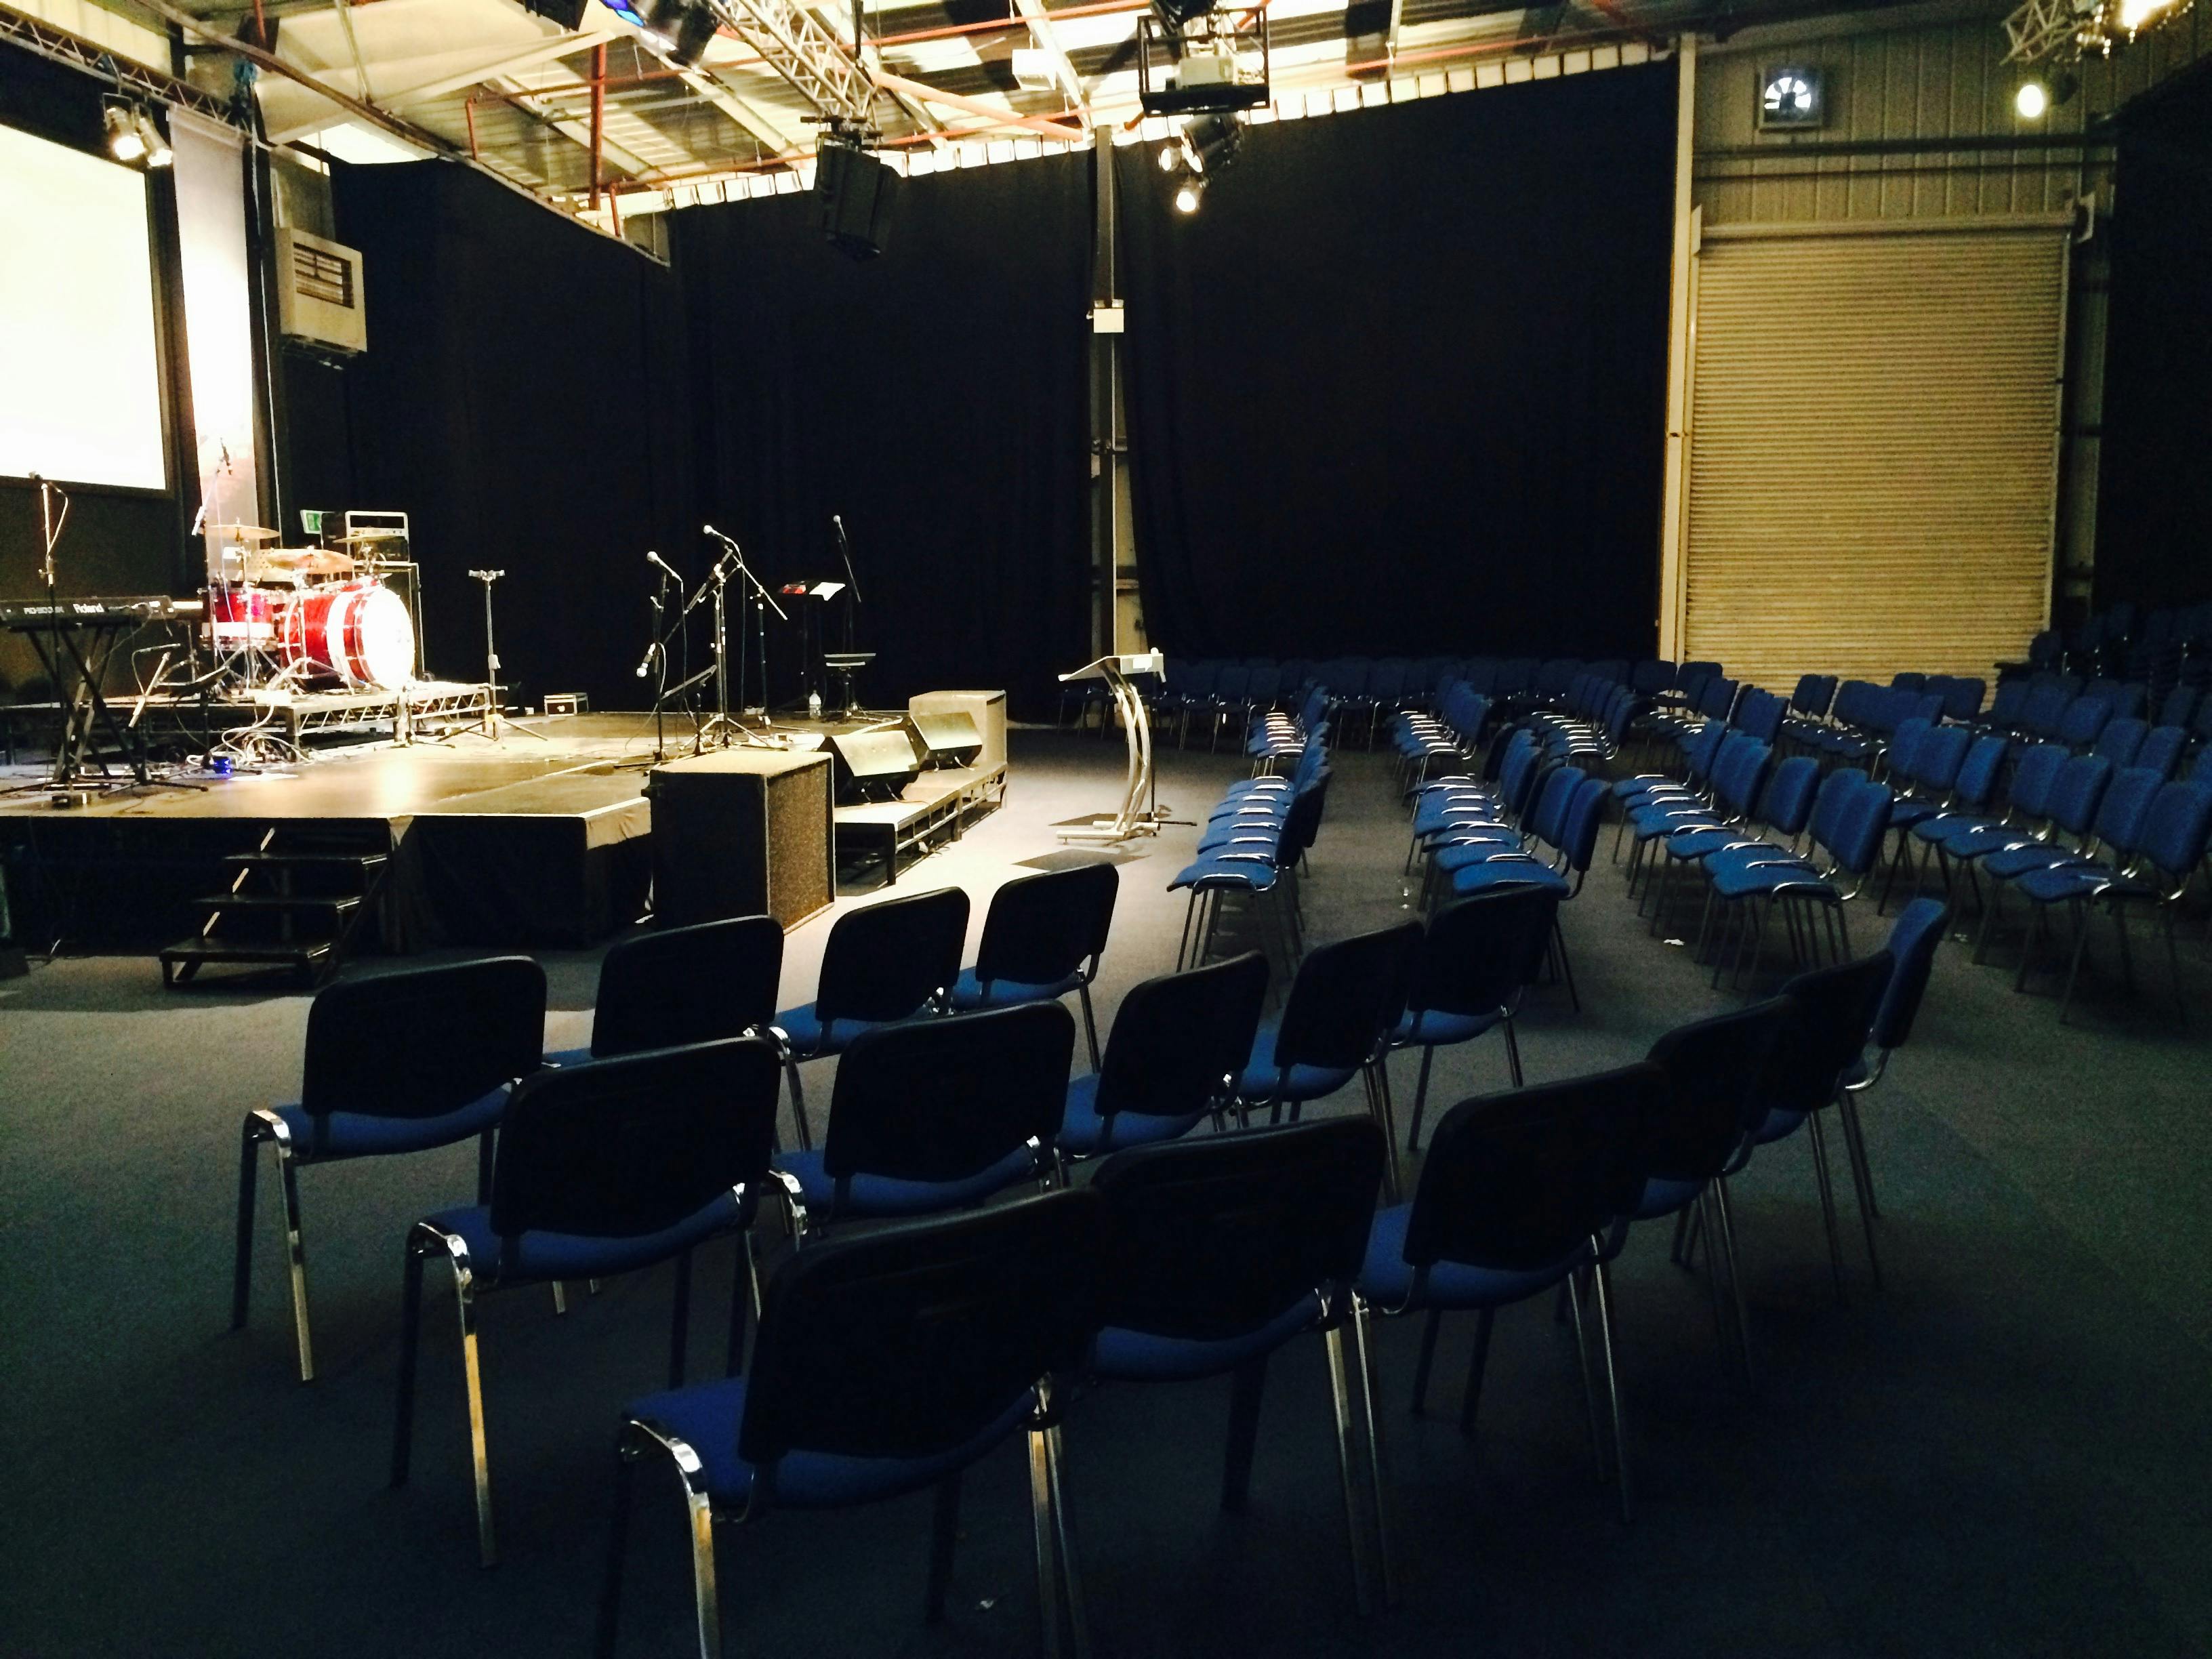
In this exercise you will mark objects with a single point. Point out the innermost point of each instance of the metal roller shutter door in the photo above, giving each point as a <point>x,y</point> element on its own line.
<point>1872,451</point>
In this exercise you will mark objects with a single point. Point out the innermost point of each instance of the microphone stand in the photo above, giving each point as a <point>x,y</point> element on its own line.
<point>735,558</point>
<point>851,581</point>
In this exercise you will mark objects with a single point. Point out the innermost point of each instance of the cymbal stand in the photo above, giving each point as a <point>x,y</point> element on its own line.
<point>492,720</point>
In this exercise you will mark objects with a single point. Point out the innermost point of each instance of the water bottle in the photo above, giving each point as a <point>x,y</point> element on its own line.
<point>814,705</point>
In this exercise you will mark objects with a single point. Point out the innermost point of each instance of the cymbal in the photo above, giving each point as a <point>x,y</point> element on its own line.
<point>244,532</point>
<point>283,562</point>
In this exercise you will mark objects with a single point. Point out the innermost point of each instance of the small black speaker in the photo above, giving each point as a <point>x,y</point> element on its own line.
<point>947,739</point>
<point>855,195</point>
<point>568,14</point>
<point>873,765</point>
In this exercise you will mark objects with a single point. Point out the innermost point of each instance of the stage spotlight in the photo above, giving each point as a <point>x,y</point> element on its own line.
<point>157,150</point>
<point>677,30</point>
<point>2032,100</point>
<point>1171,157</point>
<point>1189,195</point>
<point>1210,142</point>
<point>125,142</point>
<point>2134,13</point>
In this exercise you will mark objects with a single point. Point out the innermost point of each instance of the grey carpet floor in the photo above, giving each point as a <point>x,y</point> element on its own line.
<point>2004,1452</point>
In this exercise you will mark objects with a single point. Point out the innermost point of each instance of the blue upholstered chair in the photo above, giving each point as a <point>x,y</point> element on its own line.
<point>397,1062</point>
<point>602,1168</point>
<point>1172,1058</point>
<point>881,964</point>
<point>983,1311</point>
<point>1043,937</point>
<point>1226,1249</point>
<point>677,985</point>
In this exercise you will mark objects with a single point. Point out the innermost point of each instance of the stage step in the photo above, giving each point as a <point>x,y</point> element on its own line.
<point>335,904</point>
<point>309,958</point>
<point>294,860</point>
<point>294,901</point>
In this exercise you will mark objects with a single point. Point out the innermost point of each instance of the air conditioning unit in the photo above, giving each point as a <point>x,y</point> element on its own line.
<point>318,298</point>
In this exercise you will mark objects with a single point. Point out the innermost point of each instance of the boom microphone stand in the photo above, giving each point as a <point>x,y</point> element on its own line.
<point>735,557</point>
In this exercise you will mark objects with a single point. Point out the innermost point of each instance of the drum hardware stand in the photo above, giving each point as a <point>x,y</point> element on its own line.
<point>492,720</point>
<point>734,559</point>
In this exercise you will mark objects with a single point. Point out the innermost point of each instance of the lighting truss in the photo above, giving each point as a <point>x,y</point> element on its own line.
<point>793,43</point>
<point>2039,28</point>
<point>129,77</point>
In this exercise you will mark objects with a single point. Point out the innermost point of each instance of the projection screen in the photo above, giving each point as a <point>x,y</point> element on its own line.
<point>80,386</point>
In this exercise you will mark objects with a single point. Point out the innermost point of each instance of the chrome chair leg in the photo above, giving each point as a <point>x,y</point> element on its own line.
<point>679,1326</point>
<point>249,1171</point>
<point>464,1298</point>
<point>1340,1413</point>
<point>1090,1021</point>
<point>1726,1216</point>
<point>1861,1183</point>
<point>295,1250</point>
<point>610,1582</point>
<point>1827,1199</point>
<point>1063,1522</point>
<point>1041,1527</point>
<point>800,1132</point>
<point>1573,1283</point>
<point>1364,1353</point>
<point>1246,1385</point>
<point>560,1298</point>
<point>1429,1327</point>
<point>1602,1282</point>
<point>1420,1098</point>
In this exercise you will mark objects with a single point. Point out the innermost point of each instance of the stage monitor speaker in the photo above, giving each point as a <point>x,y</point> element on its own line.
<point>873,765</point>
<point>741,832</point>
<point>987,708</point>
<point>855,195</point>
<point>947,739</point>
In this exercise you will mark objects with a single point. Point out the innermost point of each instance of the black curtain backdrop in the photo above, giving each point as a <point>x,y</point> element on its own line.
<point>522,398</point>
<point>2154,499</point>
<point>1399,386</point>
<point>935,398</point>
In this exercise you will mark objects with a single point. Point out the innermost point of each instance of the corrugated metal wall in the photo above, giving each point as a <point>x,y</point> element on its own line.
<point>1874,432</point>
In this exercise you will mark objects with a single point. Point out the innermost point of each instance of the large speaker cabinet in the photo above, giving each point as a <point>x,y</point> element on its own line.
<point>742,832</point>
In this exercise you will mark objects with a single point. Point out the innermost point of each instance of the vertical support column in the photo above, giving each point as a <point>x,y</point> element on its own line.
<point>1106,442</point>
<point>1682,339</point>
<point>599,120</point>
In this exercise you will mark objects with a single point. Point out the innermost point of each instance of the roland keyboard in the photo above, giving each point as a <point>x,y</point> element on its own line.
<point>26,616</point>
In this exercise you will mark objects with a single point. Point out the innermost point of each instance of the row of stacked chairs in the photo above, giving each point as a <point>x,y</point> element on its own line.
<point>1254,844</point>
<point>2164,647</point>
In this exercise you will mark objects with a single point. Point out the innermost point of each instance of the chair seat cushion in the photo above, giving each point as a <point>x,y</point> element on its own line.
<point>1083,1132</point>
<point>1695,844</point>
<point>1754,880</point>
<point>1477,848</point>
<point>2061,882</point>
<point>1985,840</point>
<point>1387,1279</point>
<point>970,992</point>
<point>1507,871</point>
<point>890,1195</point>
<point>1263,1079</point>
<point>1251,874</point>
<point>706,1417</point>
<point>1752,851</point>
<point>1663,1195</point>
<point>568,1057</point>
<point>1779,1124</point>
<point>361,1134</point>
<point>2016,861</point>
<point>1905,814</point>
<point>1126,1356</point>
<point>1426,1028</point>
<point>535,1256</point>
<point>1941,826</point>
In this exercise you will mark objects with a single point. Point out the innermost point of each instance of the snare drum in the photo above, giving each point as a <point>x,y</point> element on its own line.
<point>357,632</point>
<point>240,618</point>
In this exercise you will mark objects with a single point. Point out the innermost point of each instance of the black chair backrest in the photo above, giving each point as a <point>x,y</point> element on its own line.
<point>1346,996</point>
<point>1519,1180</point>
<point>1836,1008</point>
<point>1176,1038</point>
<point>632,1145</point>
<point>1718,1070</point>
<point>945,1099</point>
<point>1211,1239</point>
<point>1480,951</point>
<point>913,1339</point>
<point>423,1042</point>
<point>684,985</point>
<point>886,960</point>
<point>1042,928</point>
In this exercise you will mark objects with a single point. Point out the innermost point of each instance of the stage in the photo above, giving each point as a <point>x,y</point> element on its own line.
<point>538,840</point>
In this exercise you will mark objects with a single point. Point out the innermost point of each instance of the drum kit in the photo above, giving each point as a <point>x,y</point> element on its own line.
<point>310,616</point>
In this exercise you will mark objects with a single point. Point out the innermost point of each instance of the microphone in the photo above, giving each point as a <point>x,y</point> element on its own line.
<point>651,652</point>
<point>655,558</point>
<point>726,540</point>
